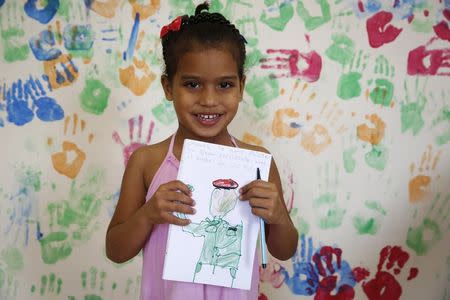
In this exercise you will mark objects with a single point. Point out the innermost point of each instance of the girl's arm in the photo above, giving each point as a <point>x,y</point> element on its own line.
<point>129,227</point>
<point>133,219</point>
<point>266,200</point>
<point>281,237</point>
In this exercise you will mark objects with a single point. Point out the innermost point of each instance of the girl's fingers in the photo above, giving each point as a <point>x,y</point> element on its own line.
<point>259,202</point>
<point>177,185</point>
<point>180,197</point>
<point>260,212</point>
<point>174,206</point>
<point>258,192</point>
<point>171,219</point>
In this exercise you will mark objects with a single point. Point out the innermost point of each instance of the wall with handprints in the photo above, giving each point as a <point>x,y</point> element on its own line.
<point>351,97</point>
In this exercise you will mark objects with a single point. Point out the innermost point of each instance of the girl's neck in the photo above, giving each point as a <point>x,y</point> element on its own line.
<point>224,138</point>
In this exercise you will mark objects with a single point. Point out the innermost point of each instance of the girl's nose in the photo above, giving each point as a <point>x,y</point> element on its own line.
<point>209,97</point>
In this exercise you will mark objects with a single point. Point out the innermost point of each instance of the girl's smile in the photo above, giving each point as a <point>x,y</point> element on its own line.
<point>206,91</point>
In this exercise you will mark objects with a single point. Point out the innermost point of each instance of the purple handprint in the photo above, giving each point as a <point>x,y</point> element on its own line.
<point>133,145</point>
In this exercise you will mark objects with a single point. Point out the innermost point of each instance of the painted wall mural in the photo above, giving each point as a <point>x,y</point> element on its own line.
<point>351,97</point>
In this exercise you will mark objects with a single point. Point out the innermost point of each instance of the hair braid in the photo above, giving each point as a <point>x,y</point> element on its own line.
<point>207,29</point>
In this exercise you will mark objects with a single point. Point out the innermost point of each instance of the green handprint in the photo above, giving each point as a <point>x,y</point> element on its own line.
<point>313,22</point>
<point>342,50</point>
<point>383,91</point>
<point>50,285</point>
<point>411,110</point>
<point>15,46</point>
<point>423,237</point>
<point>285,14</point>
<point>369,225</point>
<point>348,85</point>
<point>443,120</point>
<point>328,210</point>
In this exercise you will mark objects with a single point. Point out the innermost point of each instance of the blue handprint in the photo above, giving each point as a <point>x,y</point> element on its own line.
<point>43,15</point>
<point>40,43</point>
<point>2,2</point>
<point>22,99</point>
<point>303,267</point>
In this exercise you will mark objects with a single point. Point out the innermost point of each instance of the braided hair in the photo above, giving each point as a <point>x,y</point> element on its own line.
<point>203,29</point>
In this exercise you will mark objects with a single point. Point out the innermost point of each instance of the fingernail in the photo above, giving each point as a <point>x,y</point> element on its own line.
<point>193,202</point>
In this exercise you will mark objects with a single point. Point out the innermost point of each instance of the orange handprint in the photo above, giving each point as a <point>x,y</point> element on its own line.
<point>129,78</point>
<point>372,135</point>
<point>69,161</point>
<point>319,137</point>
<point>419,184</point>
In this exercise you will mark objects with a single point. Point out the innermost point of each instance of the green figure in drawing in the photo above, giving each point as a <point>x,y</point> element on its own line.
<point>222,245</point>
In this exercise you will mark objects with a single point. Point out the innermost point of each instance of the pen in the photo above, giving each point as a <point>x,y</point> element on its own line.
<point>262,231</point>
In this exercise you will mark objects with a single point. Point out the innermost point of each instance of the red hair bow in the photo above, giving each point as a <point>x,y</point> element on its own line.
<point>175,25</point>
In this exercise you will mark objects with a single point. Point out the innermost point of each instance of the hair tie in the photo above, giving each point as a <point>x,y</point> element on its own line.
<point>175,25</point>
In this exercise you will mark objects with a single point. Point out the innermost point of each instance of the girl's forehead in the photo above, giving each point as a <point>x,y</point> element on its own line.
<point>210,60</point>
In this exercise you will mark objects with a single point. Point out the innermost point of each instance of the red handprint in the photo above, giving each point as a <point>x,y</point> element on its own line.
<point>422,61</point>
<point>342,289</point>
<point>385,286</point>
<point>380,34</point>
<point>290,59</point>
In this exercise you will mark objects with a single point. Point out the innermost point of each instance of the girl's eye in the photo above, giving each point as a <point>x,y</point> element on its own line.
<point>226,85</point>
<point>191,84</point>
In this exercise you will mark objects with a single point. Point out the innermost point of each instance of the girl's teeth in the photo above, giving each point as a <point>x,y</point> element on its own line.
<point>208,117</point>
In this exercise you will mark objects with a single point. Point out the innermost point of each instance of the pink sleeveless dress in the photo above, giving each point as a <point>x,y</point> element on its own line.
<point>153,287</point>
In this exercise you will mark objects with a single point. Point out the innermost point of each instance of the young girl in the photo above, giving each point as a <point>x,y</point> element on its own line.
<point>204,57</point>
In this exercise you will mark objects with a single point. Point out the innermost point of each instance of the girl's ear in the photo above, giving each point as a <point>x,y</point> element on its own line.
<point>167,86</point>
<point>242,86</point>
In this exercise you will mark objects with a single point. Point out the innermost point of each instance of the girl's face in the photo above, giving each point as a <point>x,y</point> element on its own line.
<point>206,91</point>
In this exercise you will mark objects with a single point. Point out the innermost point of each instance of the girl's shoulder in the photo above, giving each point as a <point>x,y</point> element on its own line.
<point>150,157</point>
<point>247,146</point>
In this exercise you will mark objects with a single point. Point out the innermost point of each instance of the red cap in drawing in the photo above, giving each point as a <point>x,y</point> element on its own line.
<point>225,184</point>
<point>175,25</point>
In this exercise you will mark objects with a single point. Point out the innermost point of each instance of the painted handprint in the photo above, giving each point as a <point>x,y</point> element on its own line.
<point>22,208</point>
<point>72,221</point>
<point>271,274</point>
<point>25,99</point>
<point>384,286</point>
<point>383,91</point>
<point>43,15</point>
<point>69,161</point>
<point>378,156</point>
<point>277,16</point>
<point>128,149</point>
<point>336,279</point>
<point>422,237</point>
<point>15,47</point>
<point>292,63</point>
<point>429,59</point>
<point>379,30</point>
<point>50,286</point>
<point>442,122</point>
<point>327,207</point>
<point>413,105</point>
<point>421,175</point>
<point>304,281</point>
<point>325,127</point>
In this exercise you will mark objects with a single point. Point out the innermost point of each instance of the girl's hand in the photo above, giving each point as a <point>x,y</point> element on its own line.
<point>169,198</point>
<point>265,201</point>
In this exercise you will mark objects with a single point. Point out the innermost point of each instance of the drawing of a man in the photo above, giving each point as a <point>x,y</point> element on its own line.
<point>222,241</point>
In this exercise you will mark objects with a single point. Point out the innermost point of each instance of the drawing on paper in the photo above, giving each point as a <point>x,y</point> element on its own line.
<point>222,241</point>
